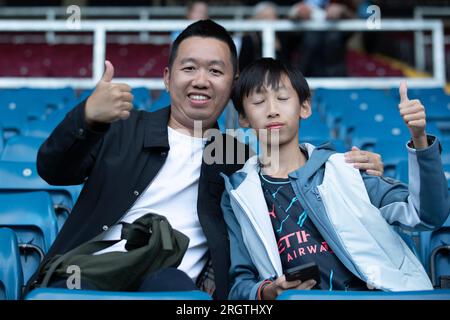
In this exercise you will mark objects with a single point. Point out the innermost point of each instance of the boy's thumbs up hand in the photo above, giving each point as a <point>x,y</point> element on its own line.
<point>110,101</point>
<point>413,113</point>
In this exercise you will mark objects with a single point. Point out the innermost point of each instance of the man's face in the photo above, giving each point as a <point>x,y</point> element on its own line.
<point>199,81</point>
<point>275,110</point>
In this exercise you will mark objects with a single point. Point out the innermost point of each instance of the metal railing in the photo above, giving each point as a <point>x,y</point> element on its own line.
<point>101,28</point>
<point>142,12</point>
<point>420,40</point>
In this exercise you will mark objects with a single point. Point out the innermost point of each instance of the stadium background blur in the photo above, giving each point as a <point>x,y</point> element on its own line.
<point>45,72</point>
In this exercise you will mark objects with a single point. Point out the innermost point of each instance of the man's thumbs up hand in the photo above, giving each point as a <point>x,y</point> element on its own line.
<point>110,101</point>
<point>403,92</point>
<point>413,114</point>
<point>109,72</point>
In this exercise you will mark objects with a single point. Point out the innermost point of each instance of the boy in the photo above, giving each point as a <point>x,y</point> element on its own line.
<point>309,205</point>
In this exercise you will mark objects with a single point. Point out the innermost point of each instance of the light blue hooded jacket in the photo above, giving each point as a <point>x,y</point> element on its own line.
<point>354,212</point>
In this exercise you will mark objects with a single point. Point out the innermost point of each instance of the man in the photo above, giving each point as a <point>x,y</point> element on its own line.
<point>134,162</point>
<point>323,54</point>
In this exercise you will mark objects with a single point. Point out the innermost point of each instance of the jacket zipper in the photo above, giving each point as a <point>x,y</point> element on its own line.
<point>334,236</point>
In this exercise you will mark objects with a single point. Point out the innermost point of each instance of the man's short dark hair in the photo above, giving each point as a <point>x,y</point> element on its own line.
<point>267,72</point>
<point>205,29</point>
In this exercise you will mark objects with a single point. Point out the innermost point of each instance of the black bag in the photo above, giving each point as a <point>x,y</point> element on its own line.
<point>152,245</point>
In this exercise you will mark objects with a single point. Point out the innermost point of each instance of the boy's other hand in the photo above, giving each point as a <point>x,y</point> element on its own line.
<point>110,101</point>
<point>413,114</point>
<point>273,290</point>
<point>365,160</point>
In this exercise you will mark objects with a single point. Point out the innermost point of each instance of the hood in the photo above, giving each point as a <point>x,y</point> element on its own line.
<point>318,155</point>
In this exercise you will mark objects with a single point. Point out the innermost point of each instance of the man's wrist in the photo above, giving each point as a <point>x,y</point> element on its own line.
<point>420,142</point>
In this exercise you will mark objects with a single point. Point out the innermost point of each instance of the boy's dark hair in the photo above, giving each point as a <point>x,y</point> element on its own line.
<point>267,72</point>
<point>205,29</point>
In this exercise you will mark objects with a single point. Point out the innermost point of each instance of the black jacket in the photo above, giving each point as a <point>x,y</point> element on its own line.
<point>117,162</point>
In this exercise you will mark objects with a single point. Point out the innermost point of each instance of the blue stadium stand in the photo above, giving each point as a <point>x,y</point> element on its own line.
<point>338,105</point>
<point>1,138</point>
<point>23,176</point>
<point>21,148</point>
<point>430,240</point>
<point>435,252</point>
<point>32,217</point>
<point>14,122</point>
<point>162,101</point>
<point>367,133</point>
<point>11,276</point>
<point>40,128</point>
<point>393,153</point>
<point>365,295</point>
<point>445,155</point>
<point>65,294</point>
<point>314,129</point>
<point>142,99</point>
<point>52,98</point>
<point>409,237</point>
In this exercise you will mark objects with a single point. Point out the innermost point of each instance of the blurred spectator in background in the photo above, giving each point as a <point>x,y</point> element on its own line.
<point>323,54</point>
<point>195,10</point>
<point>251,47</point>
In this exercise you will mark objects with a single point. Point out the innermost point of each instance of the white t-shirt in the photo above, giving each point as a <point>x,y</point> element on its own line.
<point>173,194</point>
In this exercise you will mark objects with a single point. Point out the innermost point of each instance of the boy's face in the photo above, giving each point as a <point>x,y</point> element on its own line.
<point>199,81</point>
<point>275,110</point>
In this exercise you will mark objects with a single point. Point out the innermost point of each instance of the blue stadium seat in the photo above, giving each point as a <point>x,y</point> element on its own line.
<point>409,237</point>
<point>35,104</point>
<point>314,129</point>
<point>445,155</point>
<point>20,148</point>
<point>366,134</point>
<point>1,138</point>
<point>19,176</point>
<point>393,152</point>
<point>364,295</point>
<point>41,128</point>
<point>11,276</point>
<point>337,106</point>
<point>64,294</point>
<point>142,99</point>
<point>162,101</point>
<point>435,100</point>
<point>14,122</point>
<point>435,251</point>
<point>430,240</point>
<point>32,217</point>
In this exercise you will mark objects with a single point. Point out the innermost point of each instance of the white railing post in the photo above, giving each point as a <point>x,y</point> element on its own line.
<point>102,27</point>
<point>99,53</point>
<point>268,38</point>
<point>144,35</point>
<point>419,45</point>
<point>439,53</point>
<point>50,35</point>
